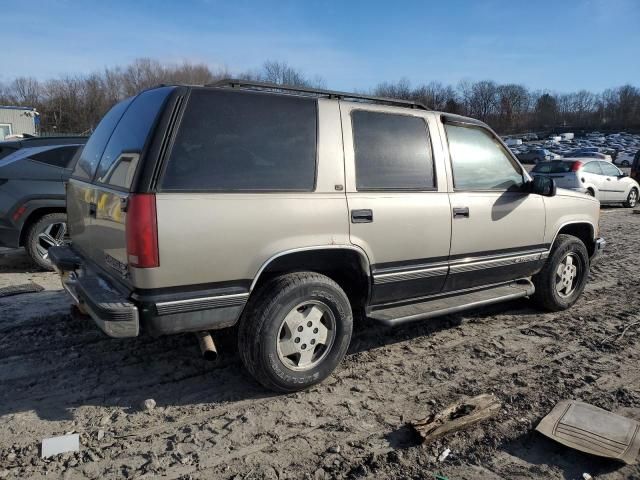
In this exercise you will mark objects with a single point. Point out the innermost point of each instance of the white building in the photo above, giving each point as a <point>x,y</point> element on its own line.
<point>17,120</point>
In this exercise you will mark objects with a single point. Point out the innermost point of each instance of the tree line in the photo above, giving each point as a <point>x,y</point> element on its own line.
<point>75,104</point>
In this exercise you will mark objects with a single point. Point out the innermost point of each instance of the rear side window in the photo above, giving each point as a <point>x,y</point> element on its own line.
<point>244,141</point>
<point>92,152</point>
<point>118,163</point>
<point>392,152</point>
<point>609,169</point>
<point>57,157</point>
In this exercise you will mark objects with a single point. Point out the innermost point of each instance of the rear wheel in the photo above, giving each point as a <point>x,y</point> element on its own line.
<point>564,275</point>
<point>632,199</point>
<point>49,231</point>
<point>295,331</point>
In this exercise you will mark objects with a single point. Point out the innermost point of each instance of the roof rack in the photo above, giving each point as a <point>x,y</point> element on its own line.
<point>319,92</point>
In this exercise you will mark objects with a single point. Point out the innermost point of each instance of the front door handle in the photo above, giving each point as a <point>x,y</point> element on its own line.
<point>362,216</point>
<point>459,212</point>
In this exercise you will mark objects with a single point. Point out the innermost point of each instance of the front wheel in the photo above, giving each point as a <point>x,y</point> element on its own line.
<point>564,275</point>
<point>295,331</point>
<point>632,199</point>
<point>49,231</point>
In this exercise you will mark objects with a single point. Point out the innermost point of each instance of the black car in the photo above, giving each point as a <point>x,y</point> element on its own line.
<point>32,197</point>
<point>10,146</point>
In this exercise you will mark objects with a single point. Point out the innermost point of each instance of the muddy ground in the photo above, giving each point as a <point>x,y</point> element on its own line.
<point>59,374</point>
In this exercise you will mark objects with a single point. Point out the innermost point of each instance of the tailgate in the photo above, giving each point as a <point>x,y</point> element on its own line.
<point>102,182</point>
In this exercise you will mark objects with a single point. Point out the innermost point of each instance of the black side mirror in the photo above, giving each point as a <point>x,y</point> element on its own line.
<point>544,186</point>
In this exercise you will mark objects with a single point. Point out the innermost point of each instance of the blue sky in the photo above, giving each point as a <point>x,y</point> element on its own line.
<point>561,45</point>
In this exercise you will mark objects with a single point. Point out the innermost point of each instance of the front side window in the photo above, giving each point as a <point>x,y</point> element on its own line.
<point>244,141</point>
<point>479,161</point>
<point>392,152</point>
<point>609,169</point>
<point>592,167</point>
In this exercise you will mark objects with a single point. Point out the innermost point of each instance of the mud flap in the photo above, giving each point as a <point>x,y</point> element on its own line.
<point>592,430</point>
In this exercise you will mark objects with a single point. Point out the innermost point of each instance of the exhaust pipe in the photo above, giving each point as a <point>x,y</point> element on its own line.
<point>207,346</point>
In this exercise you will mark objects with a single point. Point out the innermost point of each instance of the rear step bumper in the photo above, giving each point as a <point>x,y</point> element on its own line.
<point>110,309</point>
<point>451,304</point>
<point>119,313</point>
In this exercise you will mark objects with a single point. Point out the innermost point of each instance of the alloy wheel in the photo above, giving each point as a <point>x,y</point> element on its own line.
<point>52,235</point>
<point>568,275</point>
<point>306,335</point>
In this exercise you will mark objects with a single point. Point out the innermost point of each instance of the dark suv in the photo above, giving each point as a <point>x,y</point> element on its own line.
<point>32,196</point>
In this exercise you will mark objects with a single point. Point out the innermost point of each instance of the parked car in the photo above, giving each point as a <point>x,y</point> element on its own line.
<point>32,198</point>
<point>624,159</point>
<point>597,178</point>
<point>536,155</point>
<point>635,167</point>
<point>194,209</point>
<point>28,142</point>
<point>594,155</point>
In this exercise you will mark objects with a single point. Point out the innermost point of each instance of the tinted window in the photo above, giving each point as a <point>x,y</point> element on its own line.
<point>58,157</point>
<point>92,152</point>
<point>609,169</point>
<point>592,167</point>
<point>118,163</point>
<point>553,167</point>
<point>391,152</point>
<point>234,141</point>
<point>479,161</point>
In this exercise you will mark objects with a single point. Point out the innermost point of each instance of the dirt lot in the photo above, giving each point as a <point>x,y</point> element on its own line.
<point>60,375</point>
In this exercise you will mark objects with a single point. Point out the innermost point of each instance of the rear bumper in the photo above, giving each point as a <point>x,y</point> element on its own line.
<point>9,235</point>
<point>120,313</point>
<point>597,251</point>
<point>95,295</point>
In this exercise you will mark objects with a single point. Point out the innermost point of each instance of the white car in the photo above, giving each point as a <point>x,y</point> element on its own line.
<point>597,178</point>
<point>624,159</point>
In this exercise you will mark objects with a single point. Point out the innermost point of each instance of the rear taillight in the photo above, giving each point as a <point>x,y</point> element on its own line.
<point>18,213</point>
<point>575,166</point>
<point>142,231</point>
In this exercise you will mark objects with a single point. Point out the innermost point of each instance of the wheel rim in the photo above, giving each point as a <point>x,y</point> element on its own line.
<point>51,235</point>
<point>568,275</point>
<point>306,335</point>
<point>633,198</point>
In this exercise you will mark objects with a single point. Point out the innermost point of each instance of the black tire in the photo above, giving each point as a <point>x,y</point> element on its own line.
<point>632,200</point>
<point>591,193</point>
<point>546,295</point>
<point>32,238</point>
<point>260,329</point>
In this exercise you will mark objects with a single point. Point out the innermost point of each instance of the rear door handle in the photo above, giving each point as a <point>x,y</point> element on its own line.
<point>461,212</point>
<point>362,216</point>
<point>93,208</point>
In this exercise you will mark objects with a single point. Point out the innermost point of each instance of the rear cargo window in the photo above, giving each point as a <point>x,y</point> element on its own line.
<point>392,152</point>
<point>244,141</point>
<point>57,157</point>
<point>118,163</point>
<point>92,152</point>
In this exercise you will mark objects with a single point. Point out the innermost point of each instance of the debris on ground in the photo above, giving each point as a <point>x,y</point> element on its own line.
<point>592,430</point>
<point>19,289</point>
<point>149,404</point>
<point>62,444</point>
<point>443,456</point>
<point>457,416</point>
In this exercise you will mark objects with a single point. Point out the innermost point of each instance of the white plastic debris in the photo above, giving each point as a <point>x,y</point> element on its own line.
<point>62,444</point>
<point>586,476</point>
<point>444,455</point>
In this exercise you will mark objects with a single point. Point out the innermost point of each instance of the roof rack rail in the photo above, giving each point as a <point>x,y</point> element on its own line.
<point>251,85</point>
